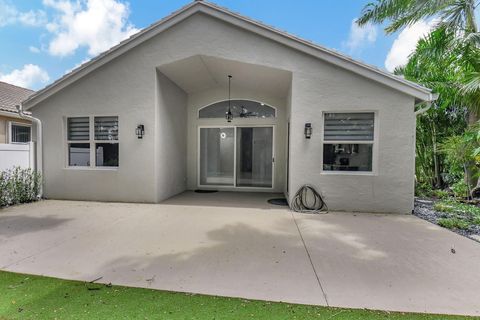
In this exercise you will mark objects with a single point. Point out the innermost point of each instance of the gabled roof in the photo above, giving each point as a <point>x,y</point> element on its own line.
<point>410,88</point>
<point>11,96</point>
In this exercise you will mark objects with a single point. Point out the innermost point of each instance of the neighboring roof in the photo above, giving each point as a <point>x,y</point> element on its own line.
<point>415,90</point>
<point>11,96</point>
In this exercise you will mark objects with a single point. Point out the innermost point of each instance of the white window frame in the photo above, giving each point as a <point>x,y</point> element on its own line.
<point>18,124</point>
<point>234,186</point>
<point>374,144</point>
<point>92,141</point>
<point>252,100</point>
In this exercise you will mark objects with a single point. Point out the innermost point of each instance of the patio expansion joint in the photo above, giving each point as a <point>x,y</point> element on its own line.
<point>310,259</point>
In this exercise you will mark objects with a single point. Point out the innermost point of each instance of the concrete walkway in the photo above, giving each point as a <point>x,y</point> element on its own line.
<point>235,244</point>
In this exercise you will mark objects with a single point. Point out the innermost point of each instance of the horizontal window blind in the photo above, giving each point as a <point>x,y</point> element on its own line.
<point>78,129</point>
<point>106,128</point>
<point>349,126</point>
<point>20,134</point>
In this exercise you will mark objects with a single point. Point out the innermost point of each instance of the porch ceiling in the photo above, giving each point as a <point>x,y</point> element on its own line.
<point>199,73</point>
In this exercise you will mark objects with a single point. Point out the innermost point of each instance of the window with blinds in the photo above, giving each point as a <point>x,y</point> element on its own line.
<point>349,126</point>
<point>79,129</point>
<point>106,128</point>
<point>20,134</point>
<point>93,141</point>
<point>348,141</point>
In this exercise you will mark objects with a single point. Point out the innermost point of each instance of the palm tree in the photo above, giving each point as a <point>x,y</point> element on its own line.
<point>435,64</point>
<point>456,15</point>
<point>448,60</point>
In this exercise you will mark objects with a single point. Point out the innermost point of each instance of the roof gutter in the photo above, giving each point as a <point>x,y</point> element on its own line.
<point>10,114</point>
<point>39,146</point>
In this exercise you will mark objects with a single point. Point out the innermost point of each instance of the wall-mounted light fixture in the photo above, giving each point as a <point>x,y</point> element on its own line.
<point>140,131</point>
<point>308,130</point>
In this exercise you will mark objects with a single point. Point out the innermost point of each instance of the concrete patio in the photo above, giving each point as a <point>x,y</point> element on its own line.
<point>235,244</point>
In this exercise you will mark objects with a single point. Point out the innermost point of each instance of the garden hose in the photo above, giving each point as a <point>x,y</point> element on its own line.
<point>308,200</point>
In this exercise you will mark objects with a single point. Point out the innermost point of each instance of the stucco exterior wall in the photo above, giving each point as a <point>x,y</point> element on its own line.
<point>390,188</point>
<point>171,151</point>
<point>127,87</point>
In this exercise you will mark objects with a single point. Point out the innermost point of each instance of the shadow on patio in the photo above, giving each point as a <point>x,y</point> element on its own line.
<point>14,225</point>
<point>255,200</point>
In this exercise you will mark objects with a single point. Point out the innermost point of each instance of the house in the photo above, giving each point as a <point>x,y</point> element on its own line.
<point>158,114</point>
<point>16,148</point>
<point>13,129</point>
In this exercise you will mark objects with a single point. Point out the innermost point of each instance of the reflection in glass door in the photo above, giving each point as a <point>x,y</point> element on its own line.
<point>254,157</point>
<point>236,157</point>
<point>217,152</point>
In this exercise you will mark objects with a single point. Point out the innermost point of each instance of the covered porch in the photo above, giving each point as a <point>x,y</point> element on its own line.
<point>247,152</point>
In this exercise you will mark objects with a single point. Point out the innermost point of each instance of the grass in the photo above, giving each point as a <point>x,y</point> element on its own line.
<point>34,297</point>
<point>457,215</point>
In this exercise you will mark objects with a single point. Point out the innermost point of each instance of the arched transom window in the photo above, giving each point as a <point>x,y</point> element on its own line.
<point>239,108</point>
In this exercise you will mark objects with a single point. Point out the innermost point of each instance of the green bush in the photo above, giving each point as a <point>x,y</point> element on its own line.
<point>453,223</point>
<point>460,189</point>
<point>19,185</point>
<point>441,194</point>
<point>423,190</point>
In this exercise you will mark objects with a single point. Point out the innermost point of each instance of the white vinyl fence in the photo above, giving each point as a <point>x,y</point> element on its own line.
<point>14,155</point>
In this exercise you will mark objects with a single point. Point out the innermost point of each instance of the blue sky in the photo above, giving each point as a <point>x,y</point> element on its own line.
<point>40,40</point>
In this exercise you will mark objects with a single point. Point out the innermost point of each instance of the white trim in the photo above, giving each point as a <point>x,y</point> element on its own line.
<point>335,58</point>
<point>92,142</point>
<point>18,124</point>
<point>374,143</point>
<point>234,186</point>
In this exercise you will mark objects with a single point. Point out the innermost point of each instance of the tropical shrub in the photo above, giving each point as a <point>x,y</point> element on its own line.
<point>453,223</point>
<point>19,185</point>
<point>460,189</point>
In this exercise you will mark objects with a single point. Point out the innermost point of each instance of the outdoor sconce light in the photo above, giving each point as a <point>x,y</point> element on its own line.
<point>308,130</point>
<point>140,131</point>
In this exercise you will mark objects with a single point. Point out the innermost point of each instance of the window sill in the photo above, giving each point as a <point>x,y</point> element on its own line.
<point>92,168</point>
<point>348,173</point>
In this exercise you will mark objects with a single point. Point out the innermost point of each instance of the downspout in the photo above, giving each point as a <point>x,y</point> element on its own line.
<point>422,111</point>
<point>39,148</point>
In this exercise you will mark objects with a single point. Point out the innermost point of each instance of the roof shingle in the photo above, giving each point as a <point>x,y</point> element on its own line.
<point>11,96</point>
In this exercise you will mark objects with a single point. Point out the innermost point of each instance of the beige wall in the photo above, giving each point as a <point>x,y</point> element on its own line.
<point>128,87</point>
<point>4,120</point>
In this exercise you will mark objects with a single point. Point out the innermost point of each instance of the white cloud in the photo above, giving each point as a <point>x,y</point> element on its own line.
<point>360,36</point>
<point>406,42</point>
<point>30,76</point>
<point>95,24</point>
<point>34,49</point>
<point>9,14</point>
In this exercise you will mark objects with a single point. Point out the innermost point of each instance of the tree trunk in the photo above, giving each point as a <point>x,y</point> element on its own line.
<point>471,171</point>
<point>438,178</point>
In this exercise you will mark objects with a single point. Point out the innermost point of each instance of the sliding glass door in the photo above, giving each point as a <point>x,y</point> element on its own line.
<point>254,157</point>
<point>217,158</point>
<point>236,157</point>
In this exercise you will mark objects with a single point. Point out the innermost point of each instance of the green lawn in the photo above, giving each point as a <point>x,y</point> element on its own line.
<point>33,297</point>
